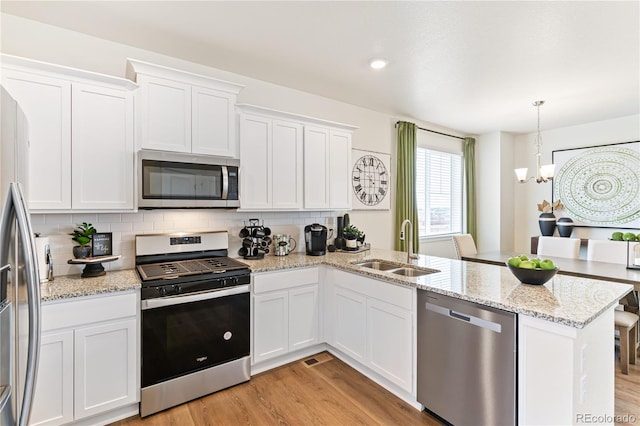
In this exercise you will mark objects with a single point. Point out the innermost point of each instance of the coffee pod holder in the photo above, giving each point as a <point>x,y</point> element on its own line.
<point>255,240</point>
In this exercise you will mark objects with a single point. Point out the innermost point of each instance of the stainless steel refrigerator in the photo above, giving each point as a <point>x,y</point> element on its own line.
<point>19,280</point>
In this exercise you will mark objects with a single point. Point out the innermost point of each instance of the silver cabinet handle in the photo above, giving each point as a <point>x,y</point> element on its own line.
<point>7,267</point>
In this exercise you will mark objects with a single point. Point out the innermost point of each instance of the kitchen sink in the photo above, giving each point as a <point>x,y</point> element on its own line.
<point>379,265</point>
<point>396,268</point>
<point>413,272</point>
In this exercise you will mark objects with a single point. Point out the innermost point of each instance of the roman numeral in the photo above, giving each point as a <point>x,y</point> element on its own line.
<point>363,196</point>
<point>358,188</point>
<point>382,191</point>
<point>356,178</point>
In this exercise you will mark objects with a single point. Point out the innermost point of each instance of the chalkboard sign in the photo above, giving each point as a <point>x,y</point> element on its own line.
<point>101,244</point>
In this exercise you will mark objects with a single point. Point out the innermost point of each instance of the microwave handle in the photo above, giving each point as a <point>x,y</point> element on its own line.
<point>225,182</point>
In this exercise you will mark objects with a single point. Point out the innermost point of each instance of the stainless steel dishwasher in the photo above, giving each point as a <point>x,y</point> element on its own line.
<point>466,361</point>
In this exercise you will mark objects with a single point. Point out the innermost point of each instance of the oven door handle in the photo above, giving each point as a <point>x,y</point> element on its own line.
<point>194,297</point>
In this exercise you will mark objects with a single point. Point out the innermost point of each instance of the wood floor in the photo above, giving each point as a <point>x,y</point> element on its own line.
<point>327,393</point>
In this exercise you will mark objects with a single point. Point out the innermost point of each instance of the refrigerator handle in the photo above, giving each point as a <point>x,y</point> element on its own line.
<point>33,295</point>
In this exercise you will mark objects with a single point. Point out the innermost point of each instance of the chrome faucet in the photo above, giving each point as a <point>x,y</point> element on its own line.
<point>410,253</point>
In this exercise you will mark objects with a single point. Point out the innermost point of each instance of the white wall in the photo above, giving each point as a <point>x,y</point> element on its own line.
<point>528,195</point>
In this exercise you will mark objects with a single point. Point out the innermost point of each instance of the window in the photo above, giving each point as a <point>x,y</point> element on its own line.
<point>439,192</point>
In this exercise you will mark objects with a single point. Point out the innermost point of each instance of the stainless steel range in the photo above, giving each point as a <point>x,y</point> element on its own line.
<point>195,318</point>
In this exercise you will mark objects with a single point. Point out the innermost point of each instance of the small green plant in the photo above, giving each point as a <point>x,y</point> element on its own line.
<point>351,232</point>
<point>83,234</point>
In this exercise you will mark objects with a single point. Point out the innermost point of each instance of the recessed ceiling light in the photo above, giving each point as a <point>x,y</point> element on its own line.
<point>377,64</point>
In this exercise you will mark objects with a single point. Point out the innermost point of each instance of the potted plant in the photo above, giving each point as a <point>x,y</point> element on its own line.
<point>351,234</point>
<point>82,235</point>
<point>547,219</point>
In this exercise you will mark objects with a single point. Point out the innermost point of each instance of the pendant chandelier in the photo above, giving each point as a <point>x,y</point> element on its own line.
<point>543,173</point>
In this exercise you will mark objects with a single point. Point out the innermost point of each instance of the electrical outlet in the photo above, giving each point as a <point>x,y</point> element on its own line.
<point>402,235</point>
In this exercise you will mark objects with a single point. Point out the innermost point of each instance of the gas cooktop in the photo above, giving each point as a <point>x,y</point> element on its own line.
<point>183,268</point>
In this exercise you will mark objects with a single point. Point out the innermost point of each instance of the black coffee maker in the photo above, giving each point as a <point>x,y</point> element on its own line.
<point>315,236</point>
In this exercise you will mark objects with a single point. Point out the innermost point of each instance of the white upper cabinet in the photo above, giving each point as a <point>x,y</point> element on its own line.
<point>165,114</point>
<point>81,133</point>
<point>293,162</point>
<point>103,148</point>
<point>184,112</point>
<point>271,161</point>
<point>46,103</point>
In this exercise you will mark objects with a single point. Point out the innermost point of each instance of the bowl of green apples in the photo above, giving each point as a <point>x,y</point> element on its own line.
<point>531,271</point>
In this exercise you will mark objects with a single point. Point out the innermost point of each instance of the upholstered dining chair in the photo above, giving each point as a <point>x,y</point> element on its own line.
<point>464,245</point>
<point>607,251</point>
<point>626,323</point>
<point>558,247</point>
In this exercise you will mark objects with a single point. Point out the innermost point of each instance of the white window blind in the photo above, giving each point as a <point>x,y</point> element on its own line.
<point>439,192</point>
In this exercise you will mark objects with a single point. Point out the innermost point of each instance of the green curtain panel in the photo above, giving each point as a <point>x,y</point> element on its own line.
<point>470,185</point>
<point>406,207</point>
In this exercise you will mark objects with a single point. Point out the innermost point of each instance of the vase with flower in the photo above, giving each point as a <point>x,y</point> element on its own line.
<point>547,219</point>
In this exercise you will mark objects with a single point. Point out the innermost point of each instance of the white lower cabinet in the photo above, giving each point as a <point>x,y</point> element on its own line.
<point>285,312</point>
<point>88,359</point>
<point>374,323</point>
<point>53,403</point>
<point>351,323</point>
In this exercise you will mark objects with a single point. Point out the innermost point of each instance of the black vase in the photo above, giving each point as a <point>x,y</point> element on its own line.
<point>547,223</point>
<point>565,226</point>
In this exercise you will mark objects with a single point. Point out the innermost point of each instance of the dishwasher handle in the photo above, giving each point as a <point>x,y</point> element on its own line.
<point>470,319</point>
<point>454,314</point>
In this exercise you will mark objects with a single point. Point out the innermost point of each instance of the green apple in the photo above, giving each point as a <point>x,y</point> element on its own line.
<point>617,236</point>
<point>514,261</point>
<point>527,264</point>
<point>523,257</point>
<point>536,262</point>
<point>629,236</point>
<point>547,264</point>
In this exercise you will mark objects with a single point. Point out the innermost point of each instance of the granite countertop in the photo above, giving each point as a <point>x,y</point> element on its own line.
<point>69,286</point>
<point>569,300</point>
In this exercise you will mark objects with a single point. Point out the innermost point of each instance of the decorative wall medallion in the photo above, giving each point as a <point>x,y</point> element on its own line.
<point>370,180</point>
<point>600,186</point>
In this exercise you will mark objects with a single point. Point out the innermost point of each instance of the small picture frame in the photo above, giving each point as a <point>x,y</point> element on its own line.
<point>101,244</point>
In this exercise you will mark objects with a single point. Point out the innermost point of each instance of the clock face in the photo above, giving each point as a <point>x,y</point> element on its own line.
<point>370,180</point>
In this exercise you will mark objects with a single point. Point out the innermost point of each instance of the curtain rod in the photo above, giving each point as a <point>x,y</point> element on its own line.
<point>433,131</point>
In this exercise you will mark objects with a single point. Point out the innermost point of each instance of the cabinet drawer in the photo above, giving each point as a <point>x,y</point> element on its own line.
<point>385,291</point>
<point>86,310</point>
<point>270,281</point>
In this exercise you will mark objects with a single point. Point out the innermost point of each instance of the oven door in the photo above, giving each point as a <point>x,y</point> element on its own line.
<point>185,334</point>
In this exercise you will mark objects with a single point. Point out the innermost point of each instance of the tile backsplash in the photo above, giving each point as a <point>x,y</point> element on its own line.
<point>125,226</point>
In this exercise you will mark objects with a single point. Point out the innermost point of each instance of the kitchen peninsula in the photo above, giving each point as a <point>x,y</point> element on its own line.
<point>565,328</point>
<point>367,318</point>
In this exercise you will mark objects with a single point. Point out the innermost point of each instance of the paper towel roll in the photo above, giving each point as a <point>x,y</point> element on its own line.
<point>43,268</point>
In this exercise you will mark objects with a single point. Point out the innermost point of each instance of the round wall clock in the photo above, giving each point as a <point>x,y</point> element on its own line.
<point>370,179</point>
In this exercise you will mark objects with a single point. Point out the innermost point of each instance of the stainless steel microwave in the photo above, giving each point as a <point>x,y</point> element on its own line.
<point>182,181</point>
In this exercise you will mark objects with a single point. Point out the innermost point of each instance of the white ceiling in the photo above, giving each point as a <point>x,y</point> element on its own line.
<point>472,66</point>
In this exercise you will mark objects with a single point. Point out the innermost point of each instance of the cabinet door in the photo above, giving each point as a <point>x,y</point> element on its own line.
<point>46,103</point>
<point>255,152</point>
<point>103,151</point>
<point>339,175</point>
<point>270,325</point>
<point>303,317</point>
<point>213,122</point>
<point>105,367</point>
<point>349,332</point>
<point>316,177</point>
<point>53,397</point>
<point>286,187</point>
<point>165,114</point>
<point>389,341</point>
